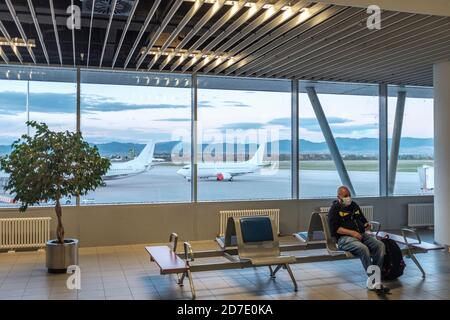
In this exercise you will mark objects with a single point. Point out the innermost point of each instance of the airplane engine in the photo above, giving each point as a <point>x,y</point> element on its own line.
<point>224,176</point>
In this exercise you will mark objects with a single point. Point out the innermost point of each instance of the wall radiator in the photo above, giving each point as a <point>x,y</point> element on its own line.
<point>224,215</point>
<point>420,214</point>
<point>366,210</point>
<point>17,233</point>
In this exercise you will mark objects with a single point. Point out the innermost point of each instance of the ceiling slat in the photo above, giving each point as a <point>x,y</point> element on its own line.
<point>377,42</point>
<point>124,32</point>
<point>158,32</point>
<point>20,28</point>
<point>149,17</point>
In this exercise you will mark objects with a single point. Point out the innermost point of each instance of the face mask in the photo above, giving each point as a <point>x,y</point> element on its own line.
<point>346,201</point>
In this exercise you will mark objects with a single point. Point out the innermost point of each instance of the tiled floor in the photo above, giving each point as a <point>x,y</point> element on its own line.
<point>125,272</point>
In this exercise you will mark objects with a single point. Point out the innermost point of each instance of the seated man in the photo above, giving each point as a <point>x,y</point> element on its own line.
<point>348,225</point>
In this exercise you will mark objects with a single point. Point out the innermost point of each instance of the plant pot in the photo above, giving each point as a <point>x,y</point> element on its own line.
<point>61,255</point>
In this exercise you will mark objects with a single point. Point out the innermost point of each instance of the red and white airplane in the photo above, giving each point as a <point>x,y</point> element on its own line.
<point>226,170</point>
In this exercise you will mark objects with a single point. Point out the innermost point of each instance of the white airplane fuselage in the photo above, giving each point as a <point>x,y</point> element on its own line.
<point>220,171</point>
<point>225,170</point>
<point>141,164</point>
<point>119,171</point>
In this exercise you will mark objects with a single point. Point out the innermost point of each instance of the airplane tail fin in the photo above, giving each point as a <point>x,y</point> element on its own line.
<point>258,157</point>
<point>146,155</point>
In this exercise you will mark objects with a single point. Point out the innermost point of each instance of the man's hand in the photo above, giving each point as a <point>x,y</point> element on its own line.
<point>357,235</point>
<point>350,233</point>
<point>367,226</point>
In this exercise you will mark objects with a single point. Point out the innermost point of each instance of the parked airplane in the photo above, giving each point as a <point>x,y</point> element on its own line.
<point>426,177</point>
<point>140,164</point>
<point>117,170</point>
<point>226,171</point>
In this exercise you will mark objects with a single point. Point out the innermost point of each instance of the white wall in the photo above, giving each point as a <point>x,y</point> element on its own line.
<point>442,151</point>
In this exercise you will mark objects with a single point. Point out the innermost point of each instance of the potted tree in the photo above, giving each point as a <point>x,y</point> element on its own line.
<point>48,167</point>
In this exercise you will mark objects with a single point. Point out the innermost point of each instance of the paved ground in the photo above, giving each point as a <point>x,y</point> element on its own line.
<point>162,184</point>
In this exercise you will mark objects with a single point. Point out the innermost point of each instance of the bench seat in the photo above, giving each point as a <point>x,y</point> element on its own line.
<point>167,260</point>
<point>413,242</point>
<point>267,261</point>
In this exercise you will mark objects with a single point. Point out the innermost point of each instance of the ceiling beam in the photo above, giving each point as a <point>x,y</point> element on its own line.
<point>257,7</point>
<point>55,30</point>
<point>343,42</point>
<point>8,38</point>
<point>340,39</point>
<point>19,27</point>
<point>276,38</point>
<point>90,33</point>
<point>4,56</point>
<point>209,15</point>
<point>111,16</point>
<point>158,32</point>
<point>124,32</point>
<point>280,21</point>
<point>409,58</point>
<point>38,30</point>
<point>259,22</point>
<point>324,27</point>
<point>421,35</point>
<point>141,32</point>
<point>197,5</point>
<point>234,9</point>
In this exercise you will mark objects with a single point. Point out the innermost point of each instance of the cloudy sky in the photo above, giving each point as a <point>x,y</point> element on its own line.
<point>139,113</point>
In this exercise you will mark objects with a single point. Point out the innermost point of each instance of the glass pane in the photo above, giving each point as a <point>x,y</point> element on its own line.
<point>141,122</point>
<point>351,111</point>
<point>244,132</point>
<point>413,172</point>
<point>51,99</point>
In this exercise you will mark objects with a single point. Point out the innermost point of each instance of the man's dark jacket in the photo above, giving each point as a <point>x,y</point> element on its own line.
<point>350,217</point>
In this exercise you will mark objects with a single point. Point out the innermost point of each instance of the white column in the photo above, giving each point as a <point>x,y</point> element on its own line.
<point>442,152</point>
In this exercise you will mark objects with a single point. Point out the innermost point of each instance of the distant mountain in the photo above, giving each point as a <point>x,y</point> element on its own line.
<point>120,148</point>
<point>366,146</point>
<point>411,146</point>
<point>369,146</point>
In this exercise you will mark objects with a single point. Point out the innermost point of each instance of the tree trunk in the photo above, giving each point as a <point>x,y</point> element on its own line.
<point>60,228</point>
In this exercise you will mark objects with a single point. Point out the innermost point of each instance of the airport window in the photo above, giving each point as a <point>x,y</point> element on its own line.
<point>244,139</point>
<point>344,115</point>
<point>142,123</point>
<point>41,94</point>
<point>410,132</point>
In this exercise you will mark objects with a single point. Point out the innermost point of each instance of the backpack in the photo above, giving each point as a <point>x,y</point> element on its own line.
<point>393,264</point>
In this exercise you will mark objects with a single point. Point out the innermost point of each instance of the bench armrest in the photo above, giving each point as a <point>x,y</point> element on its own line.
<point>188,253</point>
<point>405,231</point>
<point>375,225</point>
<point>173,241</point>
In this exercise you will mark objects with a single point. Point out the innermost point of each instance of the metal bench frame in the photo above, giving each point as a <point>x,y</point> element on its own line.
<point>245,256</point>
<point>409,251</point>
<point>228,251</point>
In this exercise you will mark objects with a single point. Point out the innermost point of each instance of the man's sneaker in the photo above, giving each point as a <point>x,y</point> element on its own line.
<point>382,290</point>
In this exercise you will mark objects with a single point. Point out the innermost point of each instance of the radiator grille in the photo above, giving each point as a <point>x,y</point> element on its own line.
<point>16,233</point>
<point>224,215</point>
<point>420,214</point>
<point>366,210</point>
